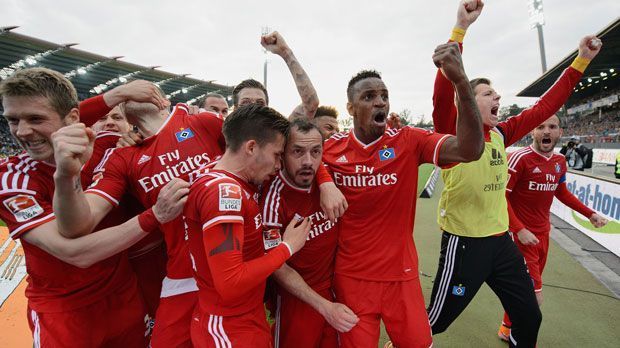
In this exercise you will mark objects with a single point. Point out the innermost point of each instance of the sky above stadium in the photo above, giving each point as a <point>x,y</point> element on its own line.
<point>219,40</point>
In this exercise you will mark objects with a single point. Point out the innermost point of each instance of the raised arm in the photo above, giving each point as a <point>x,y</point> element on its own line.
<point>517,127</point>
<point>337,315</point>
<point>468,144</point>
<point>444,110</point>
<point>275,44</point>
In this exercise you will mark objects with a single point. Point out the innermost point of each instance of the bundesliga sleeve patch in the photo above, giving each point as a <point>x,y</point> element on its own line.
<point>23,207</point>
<point>271,238</point>
<point>230,197</point>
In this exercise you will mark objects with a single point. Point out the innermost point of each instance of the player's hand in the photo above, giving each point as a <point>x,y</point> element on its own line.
<point>447,57</point>
<point>468,12</point>
<point>296,233</point>
<point>171,200</point>
<point>193,109</point>
<point>589,47</point>
<point>339,316</point>
<point>598,221</point>
<point>526,237</point>
<point>73,146</point>
<point>393,120</point>
<point>139,91</point>
<point>274,43</point>
<point>333,202</point>
<point>131,138</point>
<point>539,298</point>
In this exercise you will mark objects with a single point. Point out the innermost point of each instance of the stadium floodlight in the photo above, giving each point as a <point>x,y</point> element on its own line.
<point>31,60</point>
<point>183,90</point>
<point>611,70</point>
<point>193,100</point>
<point>589,79</point>
<point>121,78</point>
<point>164,81</point>
<point>537,20</point>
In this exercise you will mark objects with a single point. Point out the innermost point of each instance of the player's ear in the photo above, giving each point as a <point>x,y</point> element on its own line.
<point>250,147</point>
<point>350,108</point>
<point>561,132</point>
<point>72,117</point>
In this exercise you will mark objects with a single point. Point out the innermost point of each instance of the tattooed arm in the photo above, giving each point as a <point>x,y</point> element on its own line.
<point>275,44</point>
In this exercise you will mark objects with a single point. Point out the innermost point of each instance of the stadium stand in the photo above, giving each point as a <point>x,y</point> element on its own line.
<point>91,74</point>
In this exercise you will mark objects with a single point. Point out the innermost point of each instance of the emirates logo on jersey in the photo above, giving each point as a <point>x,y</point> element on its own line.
<point>23,207</point>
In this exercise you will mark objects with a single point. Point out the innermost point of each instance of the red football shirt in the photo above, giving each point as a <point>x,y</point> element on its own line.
<point>380,182</point>
<point>219,197</point>
<point>532,185</point>
<point>282,201</point>
<point>183,144</point>
<point>27,191</point>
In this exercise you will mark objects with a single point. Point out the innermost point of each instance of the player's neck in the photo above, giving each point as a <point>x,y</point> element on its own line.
<point>541,152</point>
<point>364,136</point>
<point>233,164</point>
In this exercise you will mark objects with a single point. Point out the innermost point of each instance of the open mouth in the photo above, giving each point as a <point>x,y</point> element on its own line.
<point>546,141</point>
<point>494,110</point>
<point>379,118</point>
<point>34,144</point>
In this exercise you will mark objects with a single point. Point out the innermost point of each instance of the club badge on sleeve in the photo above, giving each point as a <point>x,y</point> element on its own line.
<point>230,197</point>
<point>23,207</point>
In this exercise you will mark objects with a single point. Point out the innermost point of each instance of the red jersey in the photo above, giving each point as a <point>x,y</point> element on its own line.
<point>534,180</point>
<point>218,197</point>
<point>282,201</point>
<point>183,144</point>
<point>380,182</point>
<point>27,191</point>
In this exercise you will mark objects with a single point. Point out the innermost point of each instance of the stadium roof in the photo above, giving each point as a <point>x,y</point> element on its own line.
<point>92,74</point>
<point>606,62</point>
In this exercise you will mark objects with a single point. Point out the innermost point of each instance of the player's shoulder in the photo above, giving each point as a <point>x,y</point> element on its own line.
<point>519,156</point>
<point>20,173</point>
<point>211,180</point>
<point>336,139</point>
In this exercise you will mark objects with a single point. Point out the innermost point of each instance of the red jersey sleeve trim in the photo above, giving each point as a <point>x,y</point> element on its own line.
<point>104,195</point>
<point>30,225</point>
<point>438,148</point>
<point>222,219</point>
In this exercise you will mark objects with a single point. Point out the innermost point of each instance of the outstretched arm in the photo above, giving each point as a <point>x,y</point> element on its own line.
<point>275,44</point>
<point>517,127</point>
<point>468,144</point>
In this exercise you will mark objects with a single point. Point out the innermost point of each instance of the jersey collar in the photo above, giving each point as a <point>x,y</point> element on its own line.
<point>292,185</point>
<point>361,144</point>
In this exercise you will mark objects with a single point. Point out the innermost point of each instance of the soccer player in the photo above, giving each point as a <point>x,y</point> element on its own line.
<point>376,272</point>
<point>73,285</point>
<point>472,210</point>
<point>175,144</point>
<point>326,119</point>
<point>114,121</point>
<point>305,314</point>
<point>536,175</point>
<point>217,103</point>
<point>225,232</point>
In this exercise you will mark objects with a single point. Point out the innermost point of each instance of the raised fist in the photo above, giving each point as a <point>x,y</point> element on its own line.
<point>274,43</point>
<point>73,146</point>
<point>468,12</point>
<point>589,47</point>
<point>447,57</point>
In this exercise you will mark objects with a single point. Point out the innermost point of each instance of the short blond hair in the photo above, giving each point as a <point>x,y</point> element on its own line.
<point>42,82</point>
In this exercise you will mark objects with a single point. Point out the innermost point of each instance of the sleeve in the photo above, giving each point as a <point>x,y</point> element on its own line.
<point>322,175</point>
<point>444,109</point>
<point>110,177</point>
<point>221,213</point>
<point>428,143</point>
<point>92,109</point>
<point>104,142</point>
<point>515,168</point>
<point>271,200</point>
<point>24,211</point>
<point>566,197</point>
<point>517,127</point>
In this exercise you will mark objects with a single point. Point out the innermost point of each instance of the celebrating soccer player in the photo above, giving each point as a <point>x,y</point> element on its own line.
<point>473,212</point>
<point>536,175</point>
<point>305,314</point>
<point>226,233</point>
<point>376,272</point>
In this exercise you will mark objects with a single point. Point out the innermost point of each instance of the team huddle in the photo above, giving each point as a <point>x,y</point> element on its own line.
<point>146,225</point>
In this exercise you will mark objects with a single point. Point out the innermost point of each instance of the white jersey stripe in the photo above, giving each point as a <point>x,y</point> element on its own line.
<point>216,338</point>
<point>514,159</point>
<point>437,147</point>
<point>36,335</point>
<point>104,195</point>
<point>47,217</point>
<point>444,283</point>
<point>227,342</point>
<point>215,220</point>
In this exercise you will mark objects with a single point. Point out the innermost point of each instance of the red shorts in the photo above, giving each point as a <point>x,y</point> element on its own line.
<point>535,258</point>
<point>399,304</point>
<point>115,321</point>
<point>249,330</point>
<point>150,269</point>
<point>173,319</point>
<point>298,325</point>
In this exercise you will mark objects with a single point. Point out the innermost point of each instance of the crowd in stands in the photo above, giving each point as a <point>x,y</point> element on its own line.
<point>8,146</point>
